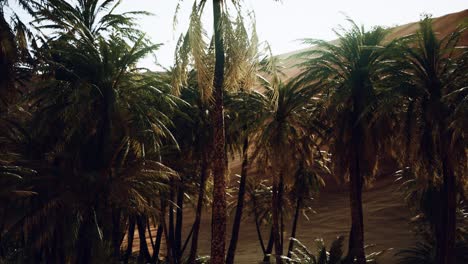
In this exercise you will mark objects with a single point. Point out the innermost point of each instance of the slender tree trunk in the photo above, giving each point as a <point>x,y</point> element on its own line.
<point>169,256</point>
<point>171,231</point>
<point>280,206</point>
<point>150,234</point>
<point>178,226</point>
<point>445,253</point>
<point>269,248</point>
<point>144,255</point>
<point>130,236</point>
<point>157,243</point>
<point>266,251</point>
<point>356,239</point>
<point>257,226</point>
<point>218,219</point>
<point>116,232</point>
<point>294,227</point>
<point>196,225</point>
<point>276,204</point>
<point>240,205</point>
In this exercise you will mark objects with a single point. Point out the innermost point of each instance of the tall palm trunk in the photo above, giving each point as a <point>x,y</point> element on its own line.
<point>276,208</point>
<point>356,237</point>
<point>240,204</point>
<point>157,244</point>
<point>178,225</point>
<point>116,232</point>
<point>445,253</point>
<point>294,227</point>
<point>171,231</point>
<point>196,224</point>
<point>144,256</point>
<point>266,250</point>
<point>269,248</point>
<point>130,236</point>
<point>218,219</point>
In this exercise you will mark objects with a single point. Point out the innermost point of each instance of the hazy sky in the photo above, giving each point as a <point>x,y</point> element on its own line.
<point>283,23</point>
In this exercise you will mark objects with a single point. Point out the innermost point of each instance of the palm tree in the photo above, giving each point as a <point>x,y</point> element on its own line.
<point>281,131</point>
<point>211,77</point>
<point>307,181</point>
<point>350,76</point>
<point>435,117</point>
<point>101,123</point>
<point>243,115</point>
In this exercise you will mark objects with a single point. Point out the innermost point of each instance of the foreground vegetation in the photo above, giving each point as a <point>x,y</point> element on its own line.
<point>95,150</point>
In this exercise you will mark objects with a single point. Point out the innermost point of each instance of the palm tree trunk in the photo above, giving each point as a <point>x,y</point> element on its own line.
<point>131,233</point>
<point>178,226</point>
<point>196,224</point>
<point>171,232</point>
<point>116,231</point>
<point>218,219</point>
<point>240,205</point>
<point>356,239</point>
<point>269,248</point>
<point>276,208</point>
<point>281,190</point>
<point>144,255</point>
<point>169,256</point>
<point>266,251</point>
<point>157,243</point>
<point>445,253</point>
<point>294,227</point>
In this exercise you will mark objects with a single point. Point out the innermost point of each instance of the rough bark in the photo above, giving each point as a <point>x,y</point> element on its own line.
<point>240,205</point>
<point>218,219</point>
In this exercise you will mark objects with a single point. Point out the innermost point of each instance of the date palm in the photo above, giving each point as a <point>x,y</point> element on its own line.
<point>210,64</point>
<point>435,117</point>
<point>279,143</point>
<point>351,76</point>
<point>101,122</point>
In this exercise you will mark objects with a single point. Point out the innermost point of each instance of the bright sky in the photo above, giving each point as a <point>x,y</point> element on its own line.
<point>283,23</point>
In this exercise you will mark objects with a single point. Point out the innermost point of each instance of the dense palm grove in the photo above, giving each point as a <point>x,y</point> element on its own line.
<point>96,151</point>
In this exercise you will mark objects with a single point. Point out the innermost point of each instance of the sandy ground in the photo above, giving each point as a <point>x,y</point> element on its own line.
<point>386,220</point>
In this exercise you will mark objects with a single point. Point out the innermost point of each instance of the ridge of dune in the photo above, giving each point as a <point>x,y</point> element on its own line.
<point>443,25</point>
